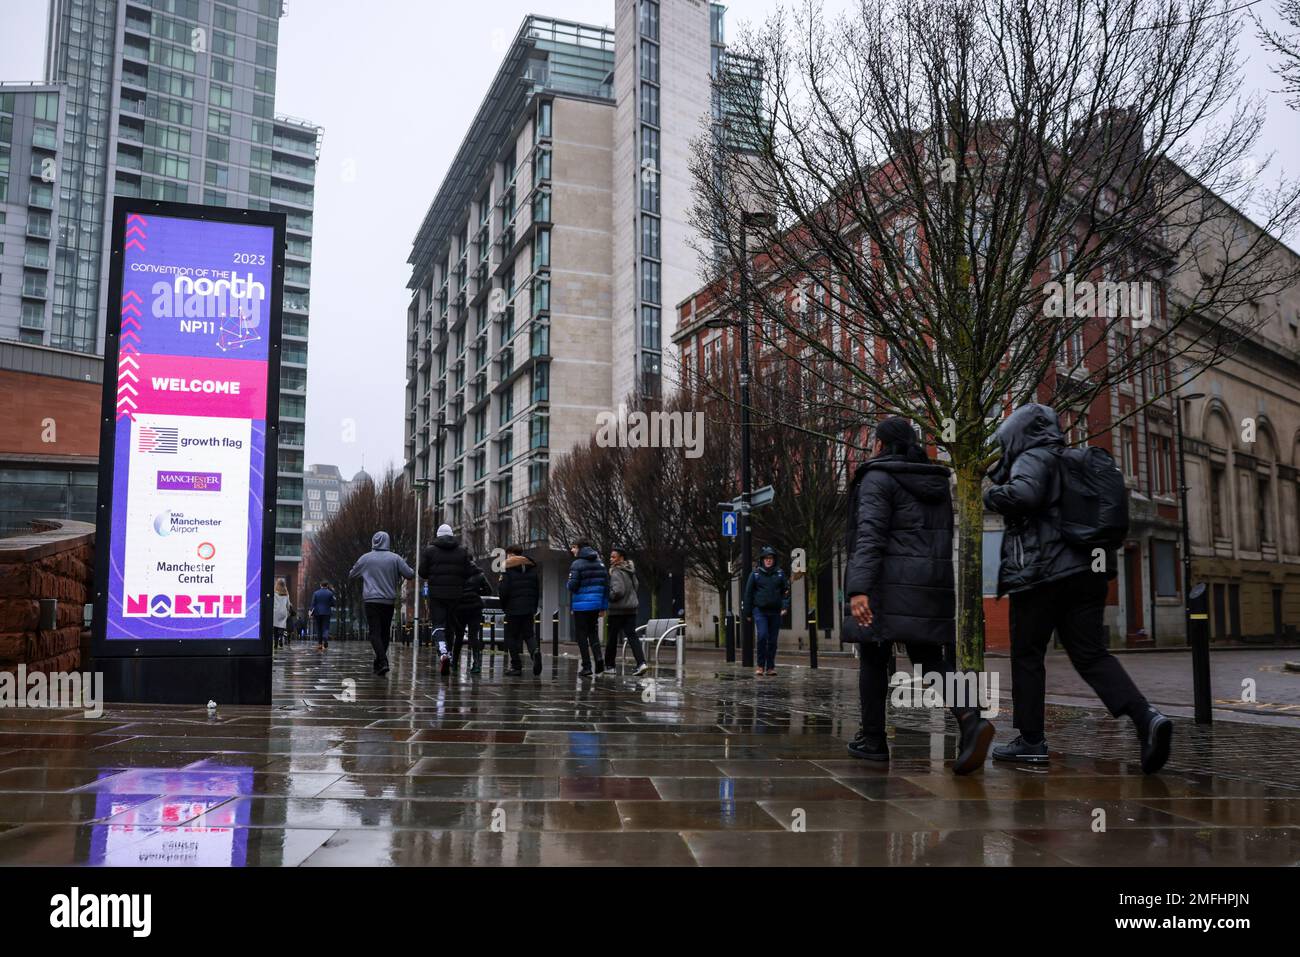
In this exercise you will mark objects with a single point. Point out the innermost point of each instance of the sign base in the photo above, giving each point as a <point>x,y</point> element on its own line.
<point>189,679</point>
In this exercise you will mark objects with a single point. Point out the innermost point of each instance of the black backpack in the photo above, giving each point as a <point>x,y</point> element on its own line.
<point>1094,498</point>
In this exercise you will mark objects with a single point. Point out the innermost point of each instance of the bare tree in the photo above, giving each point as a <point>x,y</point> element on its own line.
<point>959,188</point>
<point>387,505</point>
<point>1286,44</point>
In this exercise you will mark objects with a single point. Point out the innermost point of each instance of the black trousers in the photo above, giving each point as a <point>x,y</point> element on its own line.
<point>616,627</point>
<point>874,664</point>
<point>586,629</point>
<point>322,629</point>
<point>379,618</point>
<point>469,624</point>
<point>519,632</point>
<point>1073,608</point>
<point>444,624</point>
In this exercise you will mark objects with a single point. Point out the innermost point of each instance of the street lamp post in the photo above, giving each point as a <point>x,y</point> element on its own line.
<point>419,486</point>
<point>1195,619</point>
<point>761,220</point>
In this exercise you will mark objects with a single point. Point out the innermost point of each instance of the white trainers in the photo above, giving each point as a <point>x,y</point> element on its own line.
<point>641,669</point>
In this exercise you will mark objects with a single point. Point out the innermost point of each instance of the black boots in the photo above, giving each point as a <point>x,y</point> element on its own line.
<point>973,745</point>
<point>1155,732</point>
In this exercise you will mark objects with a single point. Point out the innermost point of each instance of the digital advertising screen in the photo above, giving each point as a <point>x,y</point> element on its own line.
<point>196,368</point>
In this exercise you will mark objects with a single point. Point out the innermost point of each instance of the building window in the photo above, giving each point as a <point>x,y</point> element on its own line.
<point>1264,513</point>
<point>539,431</point>
<point>542,250</point>
<point>1166,576</point>
<point>650,327</point>
<point>541,382</point>
<point>649,191</point>
<point>544,118</point>
<point>650,61</point>
<point>649,104</point>
<point>650,282</point>
<point>649,148</point>
<point>536,477</point>
<point>1217,524</point>
<point>650,19</point>
<point>650,236</point>
<point>1128,449</point>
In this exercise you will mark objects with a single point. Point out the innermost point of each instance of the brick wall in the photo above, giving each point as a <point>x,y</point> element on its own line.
<point>54,561</point>
<point>45,415</point>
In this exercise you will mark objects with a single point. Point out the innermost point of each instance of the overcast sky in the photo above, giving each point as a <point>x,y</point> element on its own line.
<point>395,84</point>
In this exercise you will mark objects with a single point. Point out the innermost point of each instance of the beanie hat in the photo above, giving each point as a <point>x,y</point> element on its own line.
<point>444,530</point>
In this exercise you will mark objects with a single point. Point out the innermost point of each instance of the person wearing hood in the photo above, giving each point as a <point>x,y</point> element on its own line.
<point>446,566</point>
<point>1054,588</point>
<point>520,591</point>
<point>620,621</point>
<point>469,621</point>
<point>588,587</point>
<point>899,582</point>
<point>381,572</point>
<point>766,599</point>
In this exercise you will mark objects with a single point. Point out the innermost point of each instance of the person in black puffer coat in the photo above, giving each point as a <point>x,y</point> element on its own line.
<point>446,566</point>
<point>469,622</point>
<point>1055,589</point>
<point>899,580</point>
<point>521,592</point>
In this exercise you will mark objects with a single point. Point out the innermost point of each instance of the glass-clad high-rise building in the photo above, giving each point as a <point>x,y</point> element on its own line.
<point>170,100</point>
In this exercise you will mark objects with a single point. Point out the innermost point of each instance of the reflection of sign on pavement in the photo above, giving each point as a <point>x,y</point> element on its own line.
<point>729,524</point>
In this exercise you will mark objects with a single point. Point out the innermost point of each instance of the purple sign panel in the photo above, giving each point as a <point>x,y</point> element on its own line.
<point>185,549</point>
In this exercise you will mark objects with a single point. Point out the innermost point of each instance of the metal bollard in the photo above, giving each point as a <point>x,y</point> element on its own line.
<point>731,638</point>
<point>812,638</point>
<point>555,644</point>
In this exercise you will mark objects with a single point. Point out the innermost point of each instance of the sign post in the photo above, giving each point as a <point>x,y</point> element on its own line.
<point>185,519</point>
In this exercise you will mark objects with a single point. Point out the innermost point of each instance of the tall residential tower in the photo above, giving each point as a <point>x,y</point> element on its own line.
<point>171,100</point>
<point>540,272</point>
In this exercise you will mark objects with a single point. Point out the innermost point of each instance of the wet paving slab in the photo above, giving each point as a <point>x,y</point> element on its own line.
<point>718,768</point>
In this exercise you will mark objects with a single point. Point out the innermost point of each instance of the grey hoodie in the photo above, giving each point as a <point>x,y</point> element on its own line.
<point>380,571</point>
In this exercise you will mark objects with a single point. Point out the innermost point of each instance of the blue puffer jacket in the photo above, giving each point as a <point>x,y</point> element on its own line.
<point>588,582</point>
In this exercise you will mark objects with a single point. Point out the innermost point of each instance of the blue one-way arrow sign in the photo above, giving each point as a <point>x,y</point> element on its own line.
<point>729,524</point>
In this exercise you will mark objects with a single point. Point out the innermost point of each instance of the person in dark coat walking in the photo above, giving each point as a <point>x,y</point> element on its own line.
<point>469,622</point>
<point>446,565</point>
<point>766,599</point>
<point>588,587</point>
<point>521,592</point>
<point>1054,588</point>
<point>620,621</point>
<point>899,581</point>
<point>322,607</point>
<point>380,571</point>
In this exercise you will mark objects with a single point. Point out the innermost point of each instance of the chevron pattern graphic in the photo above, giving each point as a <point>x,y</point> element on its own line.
<point>128,351</point>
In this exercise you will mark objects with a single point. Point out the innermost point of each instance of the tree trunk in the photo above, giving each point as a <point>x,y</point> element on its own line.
<point>970,568</point>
